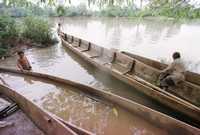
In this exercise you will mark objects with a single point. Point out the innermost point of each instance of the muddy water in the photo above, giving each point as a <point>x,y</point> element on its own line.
<point>67,102</point>
<point>122,34</point>
<point>58,61</point>
<point>152,38</point>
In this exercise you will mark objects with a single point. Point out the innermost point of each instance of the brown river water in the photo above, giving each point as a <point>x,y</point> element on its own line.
<point>153,39</point>
<point>96,116</point>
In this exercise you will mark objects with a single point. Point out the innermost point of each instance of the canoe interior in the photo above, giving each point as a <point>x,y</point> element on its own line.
<point>172,126</point>
<point>190,76</point>
<point>41,118</point>
<point>90,117</point>
<point>140,75</point>
<point>133,65</point>
<point>21,124</point>
<point>149,70</point>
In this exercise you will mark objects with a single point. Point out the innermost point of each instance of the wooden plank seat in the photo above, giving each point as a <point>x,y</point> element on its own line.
<point>105,57</point>
<point>84,46</point>
<point>122,63</point>
<point>190,76</point>
<point>77,42</point>
<point>94,51</point>
<point>145,72</point>
<point>65,37</point>
<point>185,90</point>
<point>69,38</point>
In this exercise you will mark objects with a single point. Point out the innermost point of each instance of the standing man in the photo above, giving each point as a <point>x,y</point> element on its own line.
<point>59,31</point>
<point>59,28</point>
<point>22,62</point>
<point>174,73</point>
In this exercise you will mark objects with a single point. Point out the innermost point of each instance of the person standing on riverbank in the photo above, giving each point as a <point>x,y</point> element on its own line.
<point>174,73</point>
<point>23,63</point>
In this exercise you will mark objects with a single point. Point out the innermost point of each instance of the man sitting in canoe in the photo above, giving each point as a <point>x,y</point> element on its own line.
<point>22,62</point>
<point>174,73</point>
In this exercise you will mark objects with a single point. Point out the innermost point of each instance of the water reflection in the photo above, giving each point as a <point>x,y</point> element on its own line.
<point>154,39</point>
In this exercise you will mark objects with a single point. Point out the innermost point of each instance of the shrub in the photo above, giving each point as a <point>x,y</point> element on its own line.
<point>80,10</point>
<point>37,30</point>
<point>8,31</point>
<point>3,50</point>
<point>7,28</point>
<point>112,11</point>
<point>60,10</point>
<point>117,11</point>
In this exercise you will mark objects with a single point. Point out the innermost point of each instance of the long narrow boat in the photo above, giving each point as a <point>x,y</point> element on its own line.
<point>189,90</point>
<point>140,75</point>
<point>166,123</point>
<point>21,116</point>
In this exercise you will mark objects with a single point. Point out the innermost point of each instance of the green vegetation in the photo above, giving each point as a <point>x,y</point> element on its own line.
<point>171,8</point>
<point>80,10</point>
<point>8,31</point>
<point>109,8</point>
<point>117,11</point>
<point>7,28</point>
<point>14,33</point>
<point>37,29</point>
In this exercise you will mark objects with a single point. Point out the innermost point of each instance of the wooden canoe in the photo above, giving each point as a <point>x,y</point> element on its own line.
<point>135,73</point>
<point>33,120</point>
<point>188,90</point>
<point>171,125</point>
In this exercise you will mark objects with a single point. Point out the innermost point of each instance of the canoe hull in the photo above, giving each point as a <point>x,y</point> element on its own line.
<point>153,92</point>
<point>41,118</point>
<point>163,121</point>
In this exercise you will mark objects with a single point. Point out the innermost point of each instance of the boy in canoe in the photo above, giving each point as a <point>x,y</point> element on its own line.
<point>22,62</point>
<point>174,73</point>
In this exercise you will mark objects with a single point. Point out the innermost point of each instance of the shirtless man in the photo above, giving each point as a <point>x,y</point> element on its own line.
<point>22,62</point>
<point>174,73</point>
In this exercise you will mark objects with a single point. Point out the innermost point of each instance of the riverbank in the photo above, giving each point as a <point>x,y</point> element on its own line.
<point>25,33</point>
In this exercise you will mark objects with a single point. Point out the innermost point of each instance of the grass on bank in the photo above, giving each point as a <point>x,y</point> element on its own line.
<point>37,29</point>
<point>13,33</point>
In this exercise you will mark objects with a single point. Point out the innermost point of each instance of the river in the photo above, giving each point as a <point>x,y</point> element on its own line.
<point>150,38</point>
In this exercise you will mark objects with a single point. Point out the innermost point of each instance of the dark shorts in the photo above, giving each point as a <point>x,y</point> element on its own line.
<point>166,80</point>
<point>169,81</point>
<point>27,68</point>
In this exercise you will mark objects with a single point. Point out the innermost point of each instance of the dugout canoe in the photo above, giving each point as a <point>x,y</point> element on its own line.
<point>137,74</point>
<point>25,117</point>
<point>169,124</point>
<point>188,90</point>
